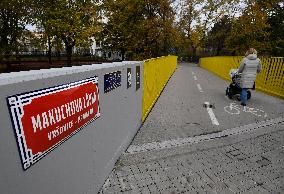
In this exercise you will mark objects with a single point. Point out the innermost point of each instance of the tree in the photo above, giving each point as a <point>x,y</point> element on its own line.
<point>140,28</point>
<point>250,30</point>
<point>218,34</point>
<point>213,10</point>
<point>254,27</point>
<point>73,21</point>
<point>13,18</point>
<point>276,22</point>
<point>121,24</point>
<point>43,16</point>
<point>198,17</point>
<point>189,15</point>
<point>158,27</point>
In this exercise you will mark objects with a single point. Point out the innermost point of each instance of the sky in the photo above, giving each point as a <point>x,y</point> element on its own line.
<point>30,27</point>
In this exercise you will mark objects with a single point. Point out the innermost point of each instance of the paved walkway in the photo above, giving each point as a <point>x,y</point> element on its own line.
<point>182,149</point>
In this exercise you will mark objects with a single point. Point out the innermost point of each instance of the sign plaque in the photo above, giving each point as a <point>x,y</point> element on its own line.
<point>46,118</point>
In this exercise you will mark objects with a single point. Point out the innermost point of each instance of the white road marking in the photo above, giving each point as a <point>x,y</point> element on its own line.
<point>195,78</point>
<point>199,88</point>
<point>134,149</point>
<point>235,109</point>
<point>211,114</point>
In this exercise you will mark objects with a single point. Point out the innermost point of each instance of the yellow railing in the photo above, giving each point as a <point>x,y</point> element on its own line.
<point>270,80</point>
<point>156,74</point>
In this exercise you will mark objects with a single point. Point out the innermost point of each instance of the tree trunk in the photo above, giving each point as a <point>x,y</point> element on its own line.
<point>6,54</point>
<point>218,49</point>
<point>49,50</point>
<point>166,45</point>
<point>69,55</point>
<point>8,64</point>
<point>122,54</point>
<point>194,50</point>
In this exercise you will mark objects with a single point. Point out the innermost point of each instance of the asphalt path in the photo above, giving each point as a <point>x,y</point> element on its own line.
<point>180,111</point>
<point>196,140</point>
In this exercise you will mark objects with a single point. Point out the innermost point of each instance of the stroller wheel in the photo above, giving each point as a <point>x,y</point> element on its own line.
<point>239,98</point>
<point>248,94</point>
<point>229,93</point>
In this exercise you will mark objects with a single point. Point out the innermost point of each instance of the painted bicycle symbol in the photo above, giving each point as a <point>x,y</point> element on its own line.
<point>235,109</point>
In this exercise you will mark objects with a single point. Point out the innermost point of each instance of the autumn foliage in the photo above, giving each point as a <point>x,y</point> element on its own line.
<point>141,29</point>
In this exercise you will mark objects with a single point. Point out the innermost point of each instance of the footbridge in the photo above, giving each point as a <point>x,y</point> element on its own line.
<point>154,126</point>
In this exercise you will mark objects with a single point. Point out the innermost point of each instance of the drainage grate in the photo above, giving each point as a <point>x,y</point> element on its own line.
<point>207,105</point>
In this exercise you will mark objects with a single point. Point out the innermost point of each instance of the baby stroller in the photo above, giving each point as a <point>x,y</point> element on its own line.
<point>235,87</point>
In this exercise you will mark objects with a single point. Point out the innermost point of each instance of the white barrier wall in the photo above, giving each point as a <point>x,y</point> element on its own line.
<point>39,154</point>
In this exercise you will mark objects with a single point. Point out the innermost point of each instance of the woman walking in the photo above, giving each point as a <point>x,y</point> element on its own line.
<point>250,66</point>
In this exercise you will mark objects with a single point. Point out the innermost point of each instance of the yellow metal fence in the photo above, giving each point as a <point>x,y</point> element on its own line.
<point>270,80</point>
<point>156,74</point>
